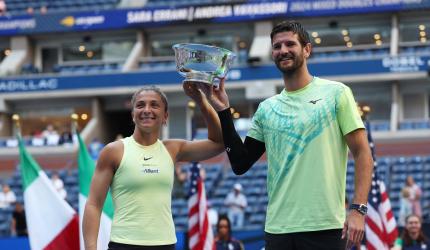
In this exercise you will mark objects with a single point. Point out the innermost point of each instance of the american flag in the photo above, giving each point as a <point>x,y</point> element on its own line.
<point>381,228</point>
<point>200,235</point>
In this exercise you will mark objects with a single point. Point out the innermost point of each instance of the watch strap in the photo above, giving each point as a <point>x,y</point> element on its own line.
<point>361,208</point>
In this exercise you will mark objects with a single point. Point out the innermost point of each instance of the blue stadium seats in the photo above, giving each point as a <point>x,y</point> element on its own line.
<point>252,200</point>
<point>421,125</point>
<point>217,202</point>
<point>257,219</point>
<point>418,124</point>
<point>264,199</point>
<point>102,67</point>
<point>70,180</point>
<point>408,50</point>
<point>4,217</point>
<point>351,54</point>
<point>181,222</point>
<point>5,228</point>
<point>380,126</point>
<point>179,203</point>
<point>221,192</point>
<point>422,50</point>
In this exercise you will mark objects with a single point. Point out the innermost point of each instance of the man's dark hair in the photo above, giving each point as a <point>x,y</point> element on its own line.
<point>150,88</point>
<point>292,26</point>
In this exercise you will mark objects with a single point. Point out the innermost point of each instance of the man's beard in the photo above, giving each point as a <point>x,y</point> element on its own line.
<point>290,70</point>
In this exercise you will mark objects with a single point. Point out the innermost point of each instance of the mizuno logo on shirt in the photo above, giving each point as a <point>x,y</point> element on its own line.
<point>314,101</point>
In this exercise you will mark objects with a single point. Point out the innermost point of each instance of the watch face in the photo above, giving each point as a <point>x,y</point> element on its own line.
<point>361,208</point>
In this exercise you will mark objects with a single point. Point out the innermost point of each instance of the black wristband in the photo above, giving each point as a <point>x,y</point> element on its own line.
<point>225,115</point>
<point>241,155</point>
<point>229,133</point>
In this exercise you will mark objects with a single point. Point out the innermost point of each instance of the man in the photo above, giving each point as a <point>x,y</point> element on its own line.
<point>236,203</point>
<point>58,185</point>
<point>306,131</point>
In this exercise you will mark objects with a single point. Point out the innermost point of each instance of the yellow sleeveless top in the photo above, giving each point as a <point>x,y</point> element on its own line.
<point>141,192</point>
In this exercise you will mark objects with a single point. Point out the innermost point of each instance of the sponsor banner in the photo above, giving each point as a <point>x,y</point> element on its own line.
<point>340,68</point>
<point>149,17</point>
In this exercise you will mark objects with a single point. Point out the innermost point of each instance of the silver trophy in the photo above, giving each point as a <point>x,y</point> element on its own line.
<point>202,63</point>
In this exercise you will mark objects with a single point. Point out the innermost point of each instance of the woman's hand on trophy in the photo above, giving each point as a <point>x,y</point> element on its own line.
<point>199,91</point>
<point>194,90</point>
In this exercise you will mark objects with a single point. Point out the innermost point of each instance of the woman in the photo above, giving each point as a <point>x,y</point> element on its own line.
<point>414,195</point>
<point>405,206</point>
<point>140,169</point>
<point>224,241</point>
<point>413,237</point>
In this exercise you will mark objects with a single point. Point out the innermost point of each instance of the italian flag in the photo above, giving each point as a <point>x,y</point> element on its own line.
<point>86,170</point>
<point>51,221</point>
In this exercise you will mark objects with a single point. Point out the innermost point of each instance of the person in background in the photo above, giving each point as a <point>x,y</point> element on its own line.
<point>66,137</point>
<point>7,197</point>
<point>94,148</point>
<point>413,237</point>
<point>180,178</point>
<point>2,8</point>
<point>414,195</point>
<point>43,10</point>
<point>236,203</point>
<point>212,215</point>
<point>18,225</point>
<point>30,10</point>
<point>59,185</point>
<point>223,239</point>
<point>405,206</point>
<point>51,135</point>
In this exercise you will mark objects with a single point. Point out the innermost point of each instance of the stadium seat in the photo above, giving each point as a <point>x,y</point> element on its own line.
<point>257,219</point>
<point>4,228</point>
<point>421,125</point>
<point>406,125</point>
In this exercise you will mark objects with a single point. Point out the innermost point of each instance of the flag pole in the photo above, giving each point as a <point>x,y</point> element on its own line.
<point>17,122</point>
<point>75,125</point>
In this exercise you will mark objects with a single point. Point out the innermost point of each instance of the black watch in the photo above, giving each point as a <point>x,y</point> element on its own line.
<point>361,208</point>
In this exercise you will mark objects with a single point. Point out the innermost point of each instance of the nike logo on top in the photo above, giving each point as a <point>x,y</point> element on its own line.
<point>145,159</point>
<point>314,101</point>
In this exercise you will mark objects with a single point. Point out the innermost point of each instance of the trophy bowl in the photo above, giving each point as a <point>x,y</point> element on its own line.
<point>202,63</point>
